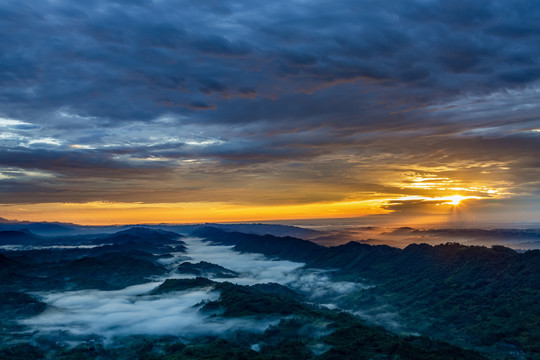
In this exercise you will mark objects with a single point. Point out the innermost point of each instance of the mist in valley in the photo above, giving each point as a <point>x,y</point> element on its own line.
<point>134,311</point>
<point>150,283</point>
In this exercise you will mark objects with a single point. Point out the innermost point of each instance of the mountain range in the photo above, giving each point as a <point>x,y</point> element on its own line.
<point>448,301</point>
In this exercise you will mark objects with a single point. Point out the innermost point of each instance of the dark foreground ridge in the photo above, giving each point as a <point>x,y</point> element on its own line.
<point>470,295</point>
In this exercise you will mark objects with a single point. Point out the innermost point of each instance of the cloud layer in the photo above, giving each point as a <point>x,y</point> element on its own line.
<point>265,104</point>
<point>131,311</point>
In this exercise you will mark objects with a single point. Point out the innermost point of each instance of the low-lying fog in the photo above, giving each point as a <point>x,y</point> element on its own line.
<point>433,234</point>
<point>132,311</point>
<point>125,312</point>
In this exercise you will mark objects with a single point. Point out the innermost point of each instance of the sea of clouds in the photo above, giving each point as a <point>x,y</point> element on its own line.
<point>132,311</point>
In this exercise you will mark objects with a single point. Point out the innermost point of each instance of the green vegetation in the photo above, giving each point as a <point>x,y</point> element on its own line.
<point>484,297</point>
<point>240,300</point>
<point>171,285</point>
<point>127,259</point>
<point>23,351</point>
<point>206,269</point>
<point>473,296</point>
<point>360,342</point>
<point>308,333</point>
<point>107,272</point>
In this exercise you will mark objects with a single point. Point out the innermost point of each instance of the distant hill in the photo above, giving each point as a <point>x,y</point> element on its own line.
<point>483,233</point>
<point>516,238</point>
<point>247,228</point>
<point>143,239</point>
<point>16,237</point>
<point>289,248</point>
<point>141,234</point>
<point>269,229</point>
<point>40,228</point>
<point>136,238</point>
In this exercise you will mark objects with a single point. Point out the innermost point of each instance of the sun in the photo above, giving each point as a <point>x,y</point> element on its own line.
<point>455,199</point>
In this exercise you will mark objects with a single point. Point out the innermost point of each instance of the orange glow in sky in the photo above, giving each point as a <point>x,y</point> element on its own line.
<point>107,213</point>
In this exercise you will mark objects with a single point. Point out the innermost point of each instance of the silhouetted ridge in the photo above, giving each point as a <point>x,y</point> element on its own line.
<point>267,229</point>
<point>41,228</point>
<point>457,287</point>
<point>18,237</point>
<point>141,234</point>
<point>283,247</point>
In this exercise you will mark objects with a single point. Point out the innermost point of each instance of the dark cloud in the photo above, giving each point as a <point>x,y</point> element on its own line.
<point>425,207</point>
<point>220,46</point>
<point>209,86</point>
<point>200,105</point>
<point>324,95</point>
<point>83,54</point>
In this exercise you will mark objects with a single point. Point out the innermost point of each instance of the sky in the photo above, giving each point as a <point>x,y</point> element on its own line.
<point>190,111</point>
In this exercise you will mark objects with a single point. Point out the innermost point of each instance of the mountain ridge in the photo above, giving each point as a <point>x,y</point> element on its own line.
<point>458,286</point>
